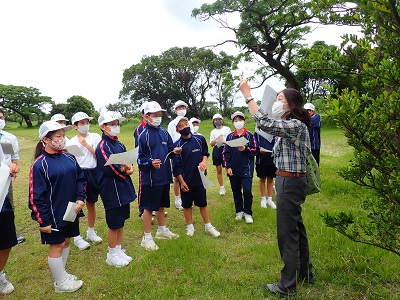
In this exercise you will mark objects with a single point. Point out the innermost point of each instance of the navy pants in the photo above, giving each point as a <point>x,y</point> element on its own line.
<point>243,202</point>
<point>292,236</point>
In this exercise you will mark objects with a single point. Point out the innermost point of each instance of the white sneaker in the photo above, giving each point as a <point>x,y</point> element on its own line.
<point>116,260</point>
<point>93,237</point>
<point>124,256</point>
<point>81,243</point>
<point>248,218</point>
<point>271,204</point>
<point>178,204</point>
<point>239,216</point>
<point>213,232</point>
<point>6,287</point>
<point>263,203</point>
<point>222,191</point>
<point>166,234</point>
<point>70,276</point>
<point>149,244</point>
<point>69,285</point>
<point>190,231</point>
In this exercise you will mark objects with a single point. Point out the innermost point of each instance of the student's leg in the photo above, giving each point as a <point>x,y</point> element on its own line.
<point>56,264</point>
<point>147,220</point>
<point>262,187</point>
<point>112,236</point>
<point>160,216</point>
<point>178,200</point>
<point>237,193</point>
<point>91,213</point>
<point>187,212</point>
<point>4,254</point>
<point>219,175</point>
<point>205,214</point>
<point>246,183</point>
<point>270,186</point>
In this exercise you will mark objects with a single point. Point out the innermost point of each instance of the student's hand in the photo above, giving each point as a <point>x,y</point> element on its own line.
<point>241,148</point>
<point>82,141</point>
<point>218,137</point>
<point>128,169</point>
<point>156,163</point>
<point>262,151</point>
<point>229,172</point>
<point>79,205</point>
<point>184,186</point>
<point>178,150</point>
<point>46,229</point>
<point>203,166</point>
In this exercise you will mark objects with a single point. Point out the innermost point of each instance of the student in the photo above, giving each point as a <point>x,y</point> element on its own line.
<point>239,164</point>
<point>8,236</point>
<point>116,188</point>
<point>314,131</point>
<point>180,109</point>
<point>265,169</point>
<point>87,142</point>
<point>289,122</point>
<point>60,118</point>
<point>155,149</point>
<point>10,158</point>
<point>55,180</point>
<point>195,124</point>
<point>219,133</point>
<point>194,154</point>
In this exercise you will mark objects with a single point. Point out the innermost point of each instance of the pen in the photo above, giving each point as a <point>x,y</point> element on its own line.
<point>54,229</point>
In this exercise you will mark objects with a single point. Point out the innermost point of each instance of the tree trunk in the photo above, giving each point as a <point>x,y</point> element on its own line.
<point>27,120</point>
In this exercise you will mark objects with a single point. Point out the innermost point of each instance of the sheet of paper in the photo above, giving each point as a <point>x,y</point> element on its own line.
<point>5,181</point>
<point>7,148</point>
<point>219,142</point>
<point>70,214</point>
<point>75,150</point>
<point>206,182</point>
<point>127,158</point>
<point>265,150</point>
<point>238,142</point>
<point>265,135</point>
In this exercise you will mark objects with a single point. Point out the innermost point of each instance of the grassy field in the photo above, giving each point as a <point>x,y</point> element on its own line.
<point>234,266</point>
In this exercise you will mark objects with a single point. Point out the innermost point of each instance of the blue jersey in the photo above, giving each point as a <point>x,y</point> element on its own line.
<point>116,187</point>
<point>315,132</point>
<point>54,181</point>
<point>264,143</point>
<point>186,163</point>
<point>155,143</point>
<point>138,131</point>
<point>241,162</point>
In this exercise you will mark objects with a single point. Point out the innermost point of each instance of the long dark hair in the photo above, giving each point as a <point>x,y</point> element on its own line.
<point>295,101</point>
<point>40,147</point>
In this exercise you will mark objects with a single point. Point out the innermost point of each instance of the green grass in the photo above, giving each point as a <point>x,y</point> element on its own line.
<point>234,266</point>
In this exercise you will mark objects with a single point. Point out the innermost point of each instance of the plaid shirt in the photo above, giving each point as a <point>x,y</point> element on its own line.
<point>293,145</point>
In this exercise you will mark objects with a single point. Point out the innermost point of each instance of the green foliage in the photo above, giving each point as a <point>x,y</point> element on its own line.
<point>124,107</point>
<point>186,74</point>
<point>79,103</point>
<point>24,101</point>
<point>58,108</point>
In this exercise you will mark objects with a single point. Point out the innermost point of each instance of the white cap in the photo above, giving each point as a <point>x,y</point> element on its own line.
<point>49,126</point>
<point>237,113</point>
<point>179,103</point>
<point>80,116</point>
<point>141,108</point>
<point>178,119</point>
<point>109,116</point>
<point>194,120</point>
<point>309,106</point>
<point>58,117</point>
<point>152,107</point>
<point>217,116</point>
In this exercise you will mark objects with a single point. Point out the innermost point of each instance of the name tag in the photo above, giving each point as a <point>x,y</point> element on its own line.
<point>195,150</point>
<point>164,143</point>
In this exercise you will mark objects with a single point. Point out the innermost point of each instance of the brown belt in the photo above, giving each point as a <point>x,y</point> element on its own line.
<point>290,174</point>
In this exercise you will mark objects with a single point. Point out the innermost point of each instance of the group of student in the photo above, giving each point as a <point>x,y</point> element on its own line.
<point>57,178</point>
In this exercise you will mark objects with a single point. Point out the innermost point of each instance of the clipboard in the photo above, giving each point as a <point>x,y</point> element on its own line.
<point>7,148</point>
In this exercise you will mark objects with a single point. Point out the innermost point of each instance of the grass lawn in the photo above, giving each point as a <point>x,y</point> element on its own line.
<point>234,266</point>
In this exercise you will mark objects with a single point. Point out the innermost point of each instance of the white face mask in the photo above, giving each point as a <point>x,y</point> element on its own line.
<point>83,129</point>
<point>2,124</point>
<point>238,124</point>
<point>277,110</point>
<point>156,121</point>
<point>115,130</point>
<point>181,112</point>
<point>196,128</point>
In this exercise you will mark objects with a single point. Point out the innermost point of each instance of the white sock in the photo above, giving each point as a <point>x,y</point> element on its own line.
<point>221,187</point>
<point>269,198</point>
<point>118,247</point>
<point>148,235</point>
<point>112,250</point>
<point>263,198</point>
<point>77,238</point>
<point>207,225</point>
<point>57,269</point>
<point>90,230</point>
<point>189,226</point>
<point>64,255</point>
<point>177,198</point>
<point>162,228</point>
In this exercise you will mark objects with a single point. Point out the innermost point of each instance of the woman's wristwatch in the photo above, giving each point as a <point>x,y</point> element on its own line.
<point>249,99</point>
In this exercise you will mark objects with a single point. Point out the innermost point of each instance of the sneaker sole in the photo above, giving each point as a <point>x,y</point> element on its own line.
<point>149,249</point>
<point>71,291</point>
<point>166,238</point>
<point>115,265</point>
<point>94,242</point>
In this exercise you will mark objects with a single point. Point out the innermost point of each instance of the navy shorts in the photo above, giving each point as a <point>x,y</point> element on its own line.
<point>115,217</point>
<point>217,155</point>
<point>8,236</point>
<point>58,237</point>
<point>155,197</point>
<point>92,186</point>
<point>196,195</point>
<point>266,168</point>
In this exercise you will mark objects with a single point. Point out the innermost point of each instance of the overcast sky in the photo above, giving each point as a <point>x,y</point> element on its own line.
<point>67,48</point>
